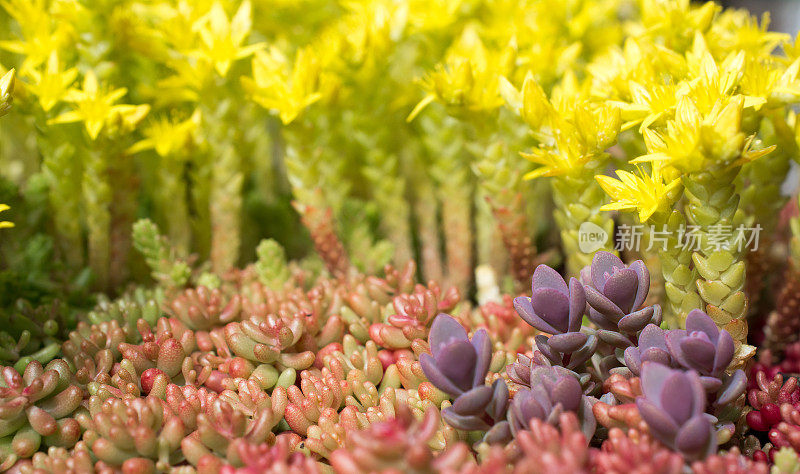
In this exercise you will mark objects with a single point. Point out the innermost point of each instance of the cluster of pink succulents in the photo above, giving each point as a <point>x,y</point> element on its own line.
<point>368,374</point>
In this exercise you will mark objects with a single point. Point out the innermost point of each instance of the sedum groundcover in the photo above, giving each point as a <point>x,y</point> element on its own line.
<point>297,236</point>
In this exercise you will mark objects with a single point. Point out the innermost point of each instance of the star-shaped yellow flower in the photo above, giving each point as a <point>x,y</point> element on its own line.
<point>94,106</point>
<point>221,39</point>
<point>167,136</point>
<point>642,192</point>
<point>286,89</point>
<point>50,85</point>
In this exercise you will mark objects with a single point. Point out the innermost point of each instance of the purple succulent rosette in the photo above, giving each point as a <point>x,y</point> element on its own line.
<point>673,406</point>
<point>652,347</point>
<point>557,309</point>
<point>705,348</point>
<point>458,364</point>
<point>483,408</point>
<point>554,390</point>
<point>458,367</point>
<point>616,294</point>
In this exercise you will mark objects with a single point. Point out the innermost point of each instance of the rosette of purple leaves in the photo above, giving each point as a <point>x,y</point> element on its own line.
<point>708,350</point>
<point>673,406</point>
<point>652,347</point>
<point>557,309</point>
<point>616,294</point>
<point>554,390</point>
<point>458,367</point>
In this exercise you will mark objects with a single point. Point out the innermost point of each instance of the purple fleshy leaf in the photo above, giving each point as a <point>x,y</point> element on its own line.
<point>699,352</point>
<point>435,376</point>
<point>567,391</point>
<point>457,361</point>
<point>614,338</point>
<point>483,350</point>
<point>602,305</point>
<point>546,277</point>
<point>552,307</point>
<point>674,339</point>
<point>633,360</point>
<point>473,402</point>
<point>500,399</point>
<point>725,351</point>
<point>567,343</point>
<point>577,305</point>
<point>443,330</point>
<point>644,283</point>
<point>656,354</point>
<point>634,322</point>
<point>525,310</point>
<point>466,423</point>
<point>544,348</point>
<point>621,289</point>
<point>653,336</point>
<point>697,320</point>
<point>603,266</point>
<point>672,400</point>
<point>660,424</point>
<point>500,433</point>
<point>694,437</point>
<point>733,386</point>
<point>710,384</point>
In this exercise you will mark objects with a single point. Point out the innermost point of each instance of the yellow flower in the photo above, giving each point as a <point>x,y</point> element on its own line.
<point>770,82</point>
<point>41,34</point>
<point>52,83</point>
<point>643,192</point>
<point>222,39</point>
<point>5,224</point>
<point>738,30</point>
<point>94,106</point>
<point>167,136</point>
<point>694,141</point>
<point>469,78</point>
<point>6,89</point>
<point>288,92</point>
<point>573,131</point>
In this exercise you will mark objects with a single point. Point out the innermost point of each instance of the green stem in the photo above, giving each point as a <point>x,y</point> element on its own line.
<point>712,204</point>
<point>577,203</point>
<point>680,289</point>
<point>225,204</point>
<point>97,195</point>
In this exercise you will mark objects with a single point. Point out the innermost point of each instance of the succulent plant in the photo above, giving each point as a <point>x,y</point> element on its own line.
<point>554,390</point>
<point>414,312</point>
<point>558,446</point>
<point>651,347</point>
<point>202,309</point>
<point>673,406</point>
<point>456,364</point>
<point>633,450</point>
<point>133,428</point>
<point>223,427</point>
<point>269,339</point>
<point>399,444</point>
<point>557,309</point>
<point>768,398</point>
<point>280,458</point>
<point>616,294</point>
<point>708,350</point>
<point>36,407</point>
<point>731,462</point>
